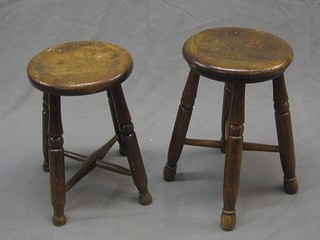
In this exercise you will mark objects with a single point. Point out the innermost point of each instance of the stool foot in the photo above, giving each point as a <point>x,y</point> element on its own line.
<point>169,173</point>
<point>145,199</point>
<point>122,151</point>
<point>223,149</point>
<point>290,185</point>
<point>228,219</point>
<point>59,220</point>
<point>45,166</point>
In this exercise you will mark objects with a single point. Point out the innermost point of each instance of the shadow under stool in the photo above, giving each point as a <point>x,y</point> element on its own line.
<point>235,56</point>
<point>81,68</point>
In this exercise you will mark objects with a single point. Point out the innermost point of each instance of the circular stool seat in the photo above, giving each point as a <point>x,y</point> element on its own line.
<point>79,68</point>
<point>235,56</point>
<point>237,53</point>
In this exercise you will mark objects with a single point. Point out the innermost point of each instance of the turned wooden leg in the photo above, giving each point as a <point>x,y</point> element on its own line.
<point>130,144</point>
<point>285,136</point>
<point>56,160</point>
<point>227,96</point>
<point>45,123</point>
<point>181,125</point>
<point>115,124</point>
<point>233,157</point>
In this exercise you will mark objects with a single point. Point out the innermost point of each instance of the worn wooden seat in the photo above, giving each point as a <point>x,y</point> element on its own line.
<point>80,68</point>
<point>236,56</point>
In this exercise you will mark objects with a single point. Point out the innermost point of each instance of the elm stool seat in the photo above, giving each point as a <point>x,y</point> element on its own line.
<point>81,68</point>
<point>235,56</point>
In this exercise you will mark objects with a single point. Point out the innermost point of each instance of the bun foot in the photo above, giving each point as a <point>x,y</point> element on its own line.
<point>122,151</point>
<point>45,167</point>
<point>228,219</point>
<point>145,199</point>
<point>59,220</point>
<point>290,185</point>
<point>223,148</point>
<point>169,173</point>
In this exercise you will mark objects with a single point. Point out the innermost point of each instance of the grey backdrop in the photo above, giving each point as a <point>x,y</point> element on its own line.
<point>104,205</point>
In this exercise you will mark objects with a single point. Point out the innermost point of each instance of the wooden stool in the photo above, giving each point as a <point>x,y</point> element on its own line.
<point>80,68</point>
<point>236,56</point>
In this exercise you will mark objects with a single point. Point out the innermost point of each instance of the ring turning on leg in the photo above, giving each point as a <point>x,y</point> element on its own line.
<point>228,219</point>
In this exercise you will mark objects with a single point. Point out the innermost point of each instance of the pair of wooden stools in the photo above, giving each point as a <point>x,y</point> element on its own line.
<point>236,56</point>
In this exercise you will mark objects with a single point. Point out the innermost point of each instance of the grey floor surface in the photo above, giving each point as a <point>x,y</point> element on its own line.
<point>104,205</point>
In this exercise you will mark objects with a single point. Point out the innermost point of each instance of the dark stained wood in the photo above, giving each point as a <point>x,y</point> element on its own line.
<point>130,144</point>
<point>115,123</point>
<point>247,146</point>
<point>56,156</point>
<point>79,68</point>
<point>99,163</point>
<point>285,136</point>
<point>45,123</point>
<point>227,96</point>
<point>181,125</point>
<point>228,54</point>
<point>236,56</point>
<point>233,157</point>
<point>90,163</point>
